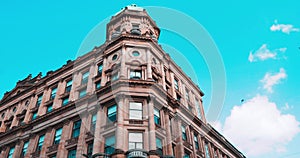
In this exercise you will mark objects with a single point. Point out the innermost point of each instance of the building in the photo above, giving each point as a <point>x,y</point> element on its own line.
<point>125,98</point>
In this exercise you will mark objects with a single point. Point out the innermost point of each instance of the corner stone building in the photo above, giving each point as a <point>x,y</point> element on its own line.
<point>126,98</point>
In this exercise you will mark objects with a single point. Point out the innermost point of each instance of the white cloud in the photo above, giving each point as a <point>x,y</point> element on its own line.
<point>270,79</point>
<point>285,28</point>
<point>264,53</point>
<point>257,127</point>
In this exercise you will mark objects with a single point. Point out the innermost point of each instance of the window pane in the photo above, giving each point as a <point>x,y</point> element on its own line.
<point>137,106</point>
<point>72,153</point>
<point>134,114</point>
<point>135,137</point>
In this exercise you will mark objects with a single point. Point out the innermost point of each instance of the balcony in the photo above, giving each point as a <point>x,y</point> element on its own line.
<point>36,154</point>
<point>52,148</point>
<point>71,142</point>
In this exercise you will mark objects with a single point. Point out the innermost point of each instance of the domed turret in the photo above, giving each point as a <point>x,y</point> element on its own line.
<point>132,20</point>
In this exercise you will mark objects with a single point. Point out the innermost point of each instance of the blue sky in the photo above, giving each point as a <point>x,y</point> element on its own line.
<point>258,42</point>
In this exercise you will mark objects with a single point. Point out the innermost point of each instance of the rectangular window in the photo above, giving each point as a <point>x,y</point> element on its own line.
<point>176,84</point>
<point>135,111</point>
<point>112,113</point>
<point>39,100</point>
<point>135,74</point>
<point>216,153</point>
<point>85,78</point>
<point>72,153</point>
<point>135,141</point>
<point>196,141</point>
<point>198,109</point>
<point>69,86</point>
<point>186,155</point>
<point>76,129</point>
<point>184,137</point>
<point>34,115</point>
<point>187,97</point>
<point>98,84</point>
<point>11,152</point>
<point>115,77</point>
<point>110,145</point>
<point>21,121</point>
<point>50,108</point>
<point>206,148</point>
<point>53,93</point>
<point>100,68</point>
<point>159,146</point>
<point>156,116</point>
<point>90,149</point>
<point>93,125</point>
<point>65,101</point>
<point>57,136</point>
<point>82,93</point>
<point>25,147</point>
<point>40,143</point>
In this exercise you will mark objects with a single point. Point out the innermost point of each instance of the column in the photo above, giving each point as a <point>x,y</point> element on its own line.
<point>103,75</point>
<point>60,90</point>
<point>123,66</point>
<point>120,133</point>
<point>163,74</point>
<point>168,145</point>
<point>152,139</point>
<point>65,135</point>
<point>149,69</point>
<point>172,84</point>
<point>90,84</point>
<point>179,144</point>
<point>98,139</point>
<point>81,145</point>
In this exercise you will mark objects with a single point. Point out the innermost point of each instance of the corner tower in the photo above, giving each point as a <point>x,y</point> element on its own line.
<point>132,20</point>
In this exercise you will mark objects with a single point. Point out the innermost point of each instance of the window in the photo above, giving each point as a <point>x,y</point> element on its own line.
<point>184,137</point>
<point>40,143</point>
<point>114,77</point>
<point>196,141</point>
<point>39,100</point>
<point>114,57</point>
<point>98,84</point>
<point>135,53</point>
<point>135,111</point>
<point>93,125</point>
<point>198,109</point>
<point>82,93</point>
<point>85,78</point>
<point>57,135</point>
<point>72,153</point>
<point>34,115</point>
<point>53,93</point>
<point>135,141</point>
<point>50,108</point>
<point>76,129</point>
<point>186,155</point>
<point>21,121</point>
<point>207,155</point>
<point>110,145</point>
<point>65,101</point>
<point>100,68</point>
<point>215,153</point>
<point>135,74</point>
<point>176,84</point>
<point>187,97</point>
<point>112,113</point>
<point>90,149</point>
<point>159,148</point>
<point>156,116</point>
<point>69,86</point>
<point>25,147</point>
<point>11,152</point>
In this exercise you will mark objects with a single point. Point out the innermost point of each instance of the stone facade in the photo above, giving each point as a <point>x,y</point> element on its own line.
<point>126,98</point>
